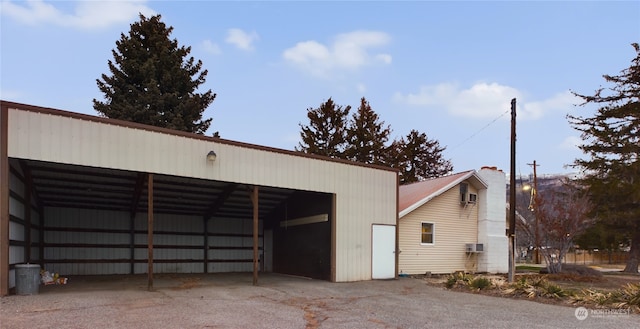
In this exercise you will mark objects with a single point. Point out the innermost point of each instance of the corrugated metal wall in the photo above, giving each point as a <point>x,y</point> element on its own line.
<point>23,217</point>
<point>17,254</point>
<point>364,196</point>
<point>88,242</point>
<point>71,233</point>
<point>455,225</point>
<point>232,240</point>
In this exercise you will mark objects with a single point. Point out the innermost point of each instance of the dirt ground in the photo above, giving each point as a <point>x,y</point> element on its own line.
<point>231,301</point>
<point>609,281</point>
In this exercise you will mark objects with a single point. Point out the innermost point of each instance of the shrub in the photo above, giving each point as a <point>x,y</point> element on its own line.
<point>535,286</point>
<point>499,283</point>
<point>458,279</point>
<point>632,291</point>
<point>592,297</point>
<point>553,291</point>
<point>629,296</point>
<point>480,283</point>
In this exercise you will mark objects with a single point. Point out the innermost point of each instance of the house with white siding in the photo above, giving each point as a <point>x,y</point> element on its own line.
<point>454,223</point>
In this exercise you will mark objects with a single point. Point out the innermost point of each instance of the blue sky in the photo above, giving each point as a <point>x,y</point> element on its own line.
<point>448,69</point>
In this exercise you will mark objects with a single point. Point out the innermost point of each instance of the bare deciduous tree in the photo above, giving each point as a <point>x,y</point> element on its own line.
<point>562,215</point>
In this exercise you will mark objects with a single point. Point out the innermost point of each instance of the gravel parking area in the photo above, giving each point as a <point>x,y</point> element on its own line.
<point>230,301</point>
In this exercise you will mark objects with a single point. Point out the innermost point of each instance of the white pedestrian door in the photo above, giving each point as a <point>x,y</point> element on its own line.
<point>383,252</point>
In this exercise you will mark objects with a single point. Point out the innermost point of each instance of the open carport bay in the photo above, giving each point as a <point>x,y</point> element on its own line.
<point>228,300</point>
<point>94,221</point>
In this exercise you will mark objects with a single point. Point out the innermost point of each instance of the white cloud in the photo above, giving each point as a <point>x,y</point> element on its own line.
<point>361,87</point>
<point>210,47</point>
<point>311,56</point>
<point>571,143</point>
<point>483,100</point>
<point>86,15</point>
<point>385,58</point>
<point>562,102</point>
<point>242,39</point>
<point>349,51</point>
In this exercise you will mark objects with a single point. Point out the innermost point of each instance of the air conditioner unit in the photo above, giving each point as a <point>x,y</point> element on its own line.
<point>470,247</point>
<point>474,247</point>
<point>463,193</point>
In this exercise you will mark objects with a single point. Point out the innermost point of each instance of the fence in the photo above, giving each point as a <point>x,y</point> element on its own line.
<point>596,257</point>
<point>581,257</point>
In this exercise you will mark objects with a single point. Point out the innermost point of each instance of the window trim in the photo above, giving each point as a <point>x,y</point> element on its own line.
<point>433,233</point>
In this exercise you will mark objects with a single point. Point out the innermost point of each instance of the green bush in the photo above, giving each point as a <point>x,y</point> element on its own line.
<point>480,283</point>
<point>451,282</point>
<point>458,279</point>
<point>553,291</point>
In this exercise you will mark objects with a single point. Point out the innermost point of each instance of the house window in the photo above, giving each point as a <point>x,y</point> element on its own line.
<point>427,233</point>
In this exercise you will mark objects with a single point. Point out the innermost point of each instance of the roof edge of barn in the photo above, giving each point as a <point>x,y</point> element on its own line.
<point>134,125</point>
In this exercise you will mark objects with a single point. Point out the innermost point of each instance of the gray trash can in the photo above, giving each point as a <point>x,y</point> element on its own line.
<point>27,279</point>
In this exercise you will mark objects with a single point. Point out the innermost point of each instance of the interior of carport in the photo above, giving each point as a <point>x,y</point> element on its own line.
<point>95,221</point>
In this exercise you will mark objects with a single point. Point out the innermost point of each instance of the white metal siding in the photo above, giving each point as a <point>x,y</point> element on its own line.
<point>364,196</point>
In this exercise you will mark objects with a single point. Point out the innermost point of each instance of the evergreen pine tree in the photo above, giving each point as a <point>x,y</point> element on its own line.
<point>418,158</point>
<point>152,83</point>
<point>364,139</point>
<point>367,136</point>
<point>326,132</point>
<point>612,144</point>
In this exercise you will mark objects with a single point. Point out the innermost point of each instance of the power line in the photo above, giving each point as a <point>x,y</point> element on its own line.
<point>480,130</point>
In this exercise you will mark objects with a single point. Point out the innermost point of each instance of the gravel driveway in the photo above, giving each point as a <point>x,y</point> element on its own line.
<point>230,301</point>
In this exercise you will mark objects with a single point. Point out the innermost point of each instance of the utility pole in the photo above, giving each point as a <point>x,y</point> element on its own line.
<point>512,196</point>
<point>534,191</point>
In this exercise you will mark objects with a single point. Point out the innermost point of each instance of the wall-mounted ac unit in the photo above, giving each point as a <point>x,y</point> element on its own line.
<point>466,197</point>
<point>474,247</point>
<point>464,187</point>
